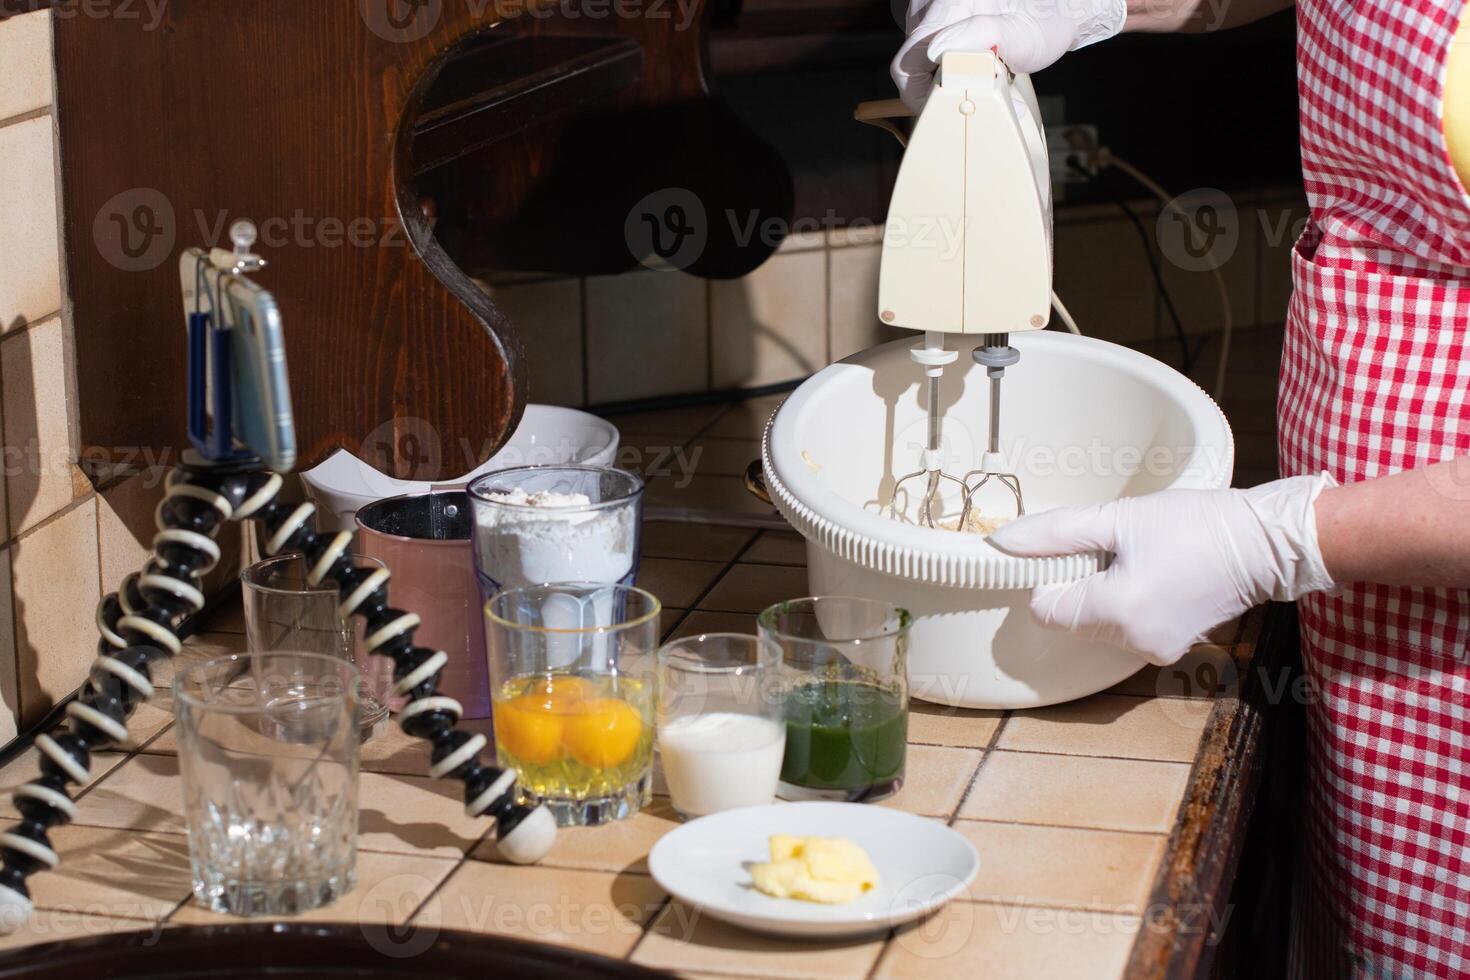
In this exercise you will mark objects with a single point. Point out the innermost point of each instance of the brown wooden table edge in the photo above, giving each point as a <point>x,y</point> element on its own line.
<point>1192,891</point>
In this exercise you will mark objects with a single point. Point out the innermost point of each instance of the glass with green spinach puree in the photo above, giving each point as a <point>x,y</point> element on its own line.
<point>844,740</point>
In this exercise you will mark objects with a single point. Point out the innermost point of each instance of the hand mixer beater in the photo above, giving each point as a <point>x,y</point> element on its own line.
<point>968,251</point>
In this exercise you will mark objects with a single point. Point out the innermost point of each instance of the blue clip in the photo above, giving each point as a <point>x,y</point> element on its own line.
<point>211,391</point>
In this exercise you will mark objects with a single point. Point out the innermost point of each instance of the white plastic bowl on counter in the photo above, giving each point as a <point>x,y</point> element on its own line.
<point>342,484</point>
<point>1083,421</point>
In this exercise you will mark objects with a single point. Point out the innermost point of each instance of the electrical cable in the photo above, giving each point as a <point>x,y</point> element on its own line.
<point>1064,313</point>
<point>1106,158</point>
<point>1186,356</point>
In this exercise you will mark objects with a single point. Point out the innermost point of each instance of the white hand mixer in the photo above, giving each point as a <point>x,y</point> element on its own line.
<point>968,249</point>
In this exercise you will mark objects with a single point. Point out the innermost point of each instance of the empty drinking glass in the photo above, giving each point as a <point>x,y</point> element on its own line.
<point>268,756</point>
<point>721,723</point>
<point>282,612</point>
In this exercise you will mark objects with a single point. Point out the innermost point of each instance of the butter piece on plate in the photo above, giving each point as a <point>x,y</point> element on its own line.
<point>828,870</point>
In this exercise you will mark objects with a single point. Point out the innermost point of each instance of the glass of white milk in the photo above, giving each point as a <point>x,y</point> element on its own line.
<point>721,729</point>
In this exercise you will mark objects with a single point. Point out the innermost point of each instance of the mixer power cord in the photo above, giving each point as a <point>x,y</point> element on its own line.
<point>1089,159</point>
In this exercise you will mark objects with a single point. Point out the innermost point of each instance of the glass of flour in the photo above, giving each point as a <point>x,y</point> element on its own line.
<point>538,525</point>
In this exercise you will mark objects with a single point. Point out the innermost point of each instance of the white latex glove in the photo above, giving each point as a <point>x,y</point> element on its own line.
<point>1029,35</point>
<point>1185,562</point>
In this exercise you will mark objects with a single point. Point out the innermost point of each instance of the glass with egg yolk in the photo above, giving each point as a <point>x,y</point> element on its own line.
<point>572,679</point>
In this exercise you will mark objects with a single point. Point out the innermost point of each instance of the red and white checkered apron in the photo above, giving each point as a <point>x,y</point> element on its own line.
<point>1376,379</point>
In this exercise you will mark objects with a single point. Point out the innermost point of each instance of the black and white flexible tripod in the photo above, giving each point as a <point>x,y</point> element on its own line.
<point>139,626</point>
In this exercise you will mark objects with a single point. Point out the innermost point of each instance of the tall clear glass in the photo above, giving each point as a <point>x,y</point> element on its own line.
<point>539,524</point>
<point>721,722</point>
<point>847,696</point>
<point>572,680</point>
<point>268,756</point>
<point>282,612</point>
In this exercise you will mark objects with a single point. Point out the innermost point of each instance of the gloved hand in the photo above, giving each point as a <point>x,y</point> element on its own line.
<point>1185,562</point>
<point>1028,35</point>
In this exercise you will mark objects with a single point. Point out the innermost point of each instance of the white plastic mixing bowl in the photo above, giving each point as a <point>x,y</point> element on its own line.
<point>1083,421</point>
<point>342,484</point>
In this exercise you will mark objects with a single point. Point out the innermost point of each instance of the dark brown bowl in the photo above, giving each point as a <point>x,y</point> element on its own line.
<point>302,951</point>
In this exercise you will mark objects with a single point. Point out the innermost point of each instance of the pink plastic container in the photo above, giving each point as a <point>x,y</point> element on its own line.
<point>424,539</point>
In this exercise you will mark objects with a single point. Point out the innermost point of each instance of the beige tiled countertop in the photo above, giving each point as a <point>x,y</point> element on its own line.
<point>1071,808</point>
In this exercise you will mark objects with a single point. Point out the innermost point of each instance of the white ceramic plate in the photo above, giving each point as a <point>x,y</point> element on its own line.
<point>921,863</point>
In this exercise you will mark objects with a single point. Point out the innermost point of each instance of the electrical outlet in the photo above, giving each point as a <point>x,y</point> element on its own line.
<point>1067,143</point>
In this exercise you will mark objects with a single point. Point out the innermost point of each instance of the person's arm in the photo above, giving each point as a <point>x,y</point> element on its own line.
<point>1198,16</point>
<point>1410,529</point>
<point>1185,561</point>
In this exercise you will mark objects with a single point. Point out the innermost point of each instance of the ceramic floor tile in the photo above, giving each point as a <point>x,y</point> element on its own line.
<point>143,729</point>
<point>118,873</point>
<point>722,457</point>
<point>589,910</point>
<point>229,618</point>
<point>777,548</point>
<point>144,793</point>
<point>62,925</point>
<point>751,588</point>
<point>677,582</point>
<point>723,494</point>
<point>615,847</point>
<point>703,542</point>
<point>27,766</point>
<point>390,888</point>
<point>938,724</point>
<point>1094,869</point>
<point>1106,794</point>
<point>747,419</point>
<point>1207,671</point>
<point>393,751</point>
<point>653,455</point>
<point>1007,942</point>
<point>415,815</point>
<point>167,743</point>
<point>668,619</point>
<point>199,648</point>
<point>935,780</point>
<point>682,939</point>
<point>1165,729</point>
<point>714,622</point>
<point>679,421</point>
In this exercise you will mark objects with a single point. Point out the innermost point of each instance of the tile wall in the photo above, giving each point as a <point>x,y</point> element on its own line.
<point>65,541</point>
<point>649,333</point>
